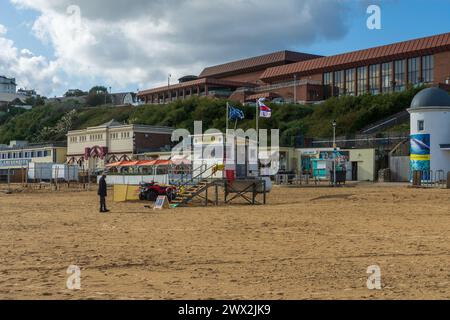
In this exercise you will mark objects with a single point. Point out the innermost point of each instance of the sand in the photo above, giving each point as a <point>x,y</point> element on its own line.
<point>307,243</point>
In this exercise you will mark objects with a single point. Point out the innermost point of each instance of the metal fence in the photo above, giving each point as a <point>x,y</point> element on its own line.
<point>431,179</point>
<point>44,177</point>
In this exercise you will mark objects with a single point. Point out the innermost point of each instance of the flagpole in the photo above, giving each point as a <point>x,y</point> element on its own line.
<point>257,134</point>
<point>257,120</point>
<point>228,114</point>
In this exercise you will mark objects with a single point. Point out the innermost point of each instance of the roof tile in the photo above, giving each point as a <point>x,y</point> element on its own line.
<point>256,62</point>
<point>399,50</point>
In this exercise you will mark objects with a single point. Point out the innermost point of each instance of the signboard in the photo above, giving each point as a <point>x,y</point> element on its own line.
<point>420,152</point>
<point>15,163</point>
<point>161,203</point>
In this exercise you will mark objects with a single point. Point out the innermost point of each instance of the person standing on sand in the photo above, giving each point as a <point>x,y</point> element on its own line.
<point>103,192</point>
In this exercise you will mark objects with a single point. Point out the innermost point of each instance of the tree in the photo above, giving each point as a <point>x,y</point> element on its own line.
<point>98,90</point>
<point>75,93</point>
<point>35,101</point>
<point>98,95</point>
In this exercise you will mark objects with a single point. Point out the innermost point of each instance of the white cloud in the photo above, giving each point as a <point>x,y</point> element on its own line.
<point>3,30</point>
<point>140,42</point>
<point>30,70</point>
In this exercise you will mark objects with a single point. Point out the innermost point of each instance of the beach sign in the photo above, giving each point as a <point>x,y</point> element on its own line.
<point>161,203</point>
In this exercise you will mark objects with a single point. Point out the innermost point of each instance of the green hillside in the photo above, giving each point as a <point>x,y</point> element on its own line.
<point>51,122</point>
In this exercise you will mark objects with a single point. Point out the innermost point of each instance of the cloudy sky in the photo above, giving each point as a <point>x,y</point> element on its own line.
<point>55,45</point>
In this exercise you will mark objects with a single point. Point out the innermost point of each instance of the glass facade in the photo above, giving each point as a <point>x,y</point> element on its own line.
<point>386,77</point>
<point>400,83</point>
<point>339,83</point>
<point>413,71</point>
<point>350,82</point>
<point>328,84</point>
<point>362,80</point>
<point>380,78</point>
<point>428,69</point>
<point>374,79</point>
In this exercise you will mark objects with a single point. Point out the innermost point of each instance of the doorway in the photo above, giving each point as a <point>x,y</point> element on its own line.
<point>354,171</point>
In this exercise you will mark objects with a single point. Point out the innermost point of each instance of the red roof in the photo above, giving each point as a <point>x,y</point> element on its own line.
<point>256,63</point>
<point>193,83</point>
<point>428,45</point>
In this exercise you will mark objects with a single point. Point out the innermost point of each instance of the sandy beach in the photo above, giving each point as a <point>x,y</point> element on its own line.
<point>306,243</point>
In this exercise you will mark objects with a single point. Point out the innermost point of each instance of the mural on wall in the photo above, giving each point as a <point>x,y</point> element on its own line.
<point>420,152</point>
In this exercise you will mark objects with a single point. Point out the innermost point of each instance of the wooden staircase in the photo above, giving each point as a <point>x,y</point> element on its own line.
<point>191,192</point>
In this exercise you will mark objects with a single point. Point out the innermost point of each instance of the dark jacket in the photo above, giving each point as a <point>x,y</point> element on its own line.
<point>102,188</point>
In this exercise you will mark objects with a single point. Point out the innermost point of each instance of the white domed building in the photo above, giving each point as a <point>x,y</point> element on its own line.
<point>430,131</point>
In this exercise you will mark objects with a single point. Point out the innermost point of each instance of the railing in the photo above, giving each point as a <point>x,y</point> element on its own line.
<point>361,140</point>
<point>196,178</point>
<point>431,179</point>
<point>286,84</point>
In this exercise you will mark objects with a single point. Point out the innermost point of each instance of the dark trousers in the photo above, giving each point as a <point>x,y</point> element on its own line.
<point>102,203</point>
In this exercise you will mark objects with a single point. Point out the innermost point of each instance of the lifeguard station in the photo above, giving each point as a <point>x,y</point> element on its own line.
<point>222,162</point>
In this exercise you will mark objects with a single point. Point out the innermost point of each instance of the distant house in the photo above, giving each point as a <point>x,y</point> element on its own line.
<point>7,85</point>
<point>12,99</point>
<point>27,93</point>
<point>124,98</point>
<point>80,100</point>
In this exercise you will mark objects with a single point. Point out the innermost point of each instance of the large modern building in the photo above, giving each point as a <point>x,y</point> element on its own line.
<point>94,147</point>
<point>308,78</point>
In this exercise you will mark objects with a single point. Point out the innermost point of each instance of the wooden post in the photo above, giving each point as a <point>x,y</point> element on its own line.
<point>254,193</point>
<point>225,186</point>
<point>217,194</point>
<point>417,178</point>
<point>448,180</point>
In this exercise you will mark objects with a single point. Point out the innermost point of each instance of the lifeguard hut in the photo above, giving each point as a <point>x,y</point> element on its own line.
<point>223,161</point>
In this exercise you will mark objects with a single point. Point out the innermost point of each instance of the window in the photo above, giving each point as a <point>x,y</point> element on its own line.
<point>420,125</point>
<point>413,71</point>
<point>386,77</point>
<point>313,94</point>
<point>362,80</point>
<point>339,83</point>
<point>327,82</point>
<point>374,79</point>
<point>400,66</point>
<point>428,69</point>
<point>350,81</point>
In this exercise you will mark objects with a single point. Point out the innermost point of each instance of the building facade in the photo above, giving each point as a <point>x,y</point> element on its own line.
<point>7,85</point>
<point>306,78</point>
<point>95,147</point>
<point>18,156</point>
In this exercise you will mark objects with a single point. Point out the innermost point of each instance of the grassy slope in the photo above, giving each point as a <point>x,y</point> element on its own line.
<point>351,113</point>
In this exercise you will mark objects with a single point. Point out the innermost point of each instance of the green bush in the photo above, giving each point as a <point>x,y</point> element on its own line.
<point>351,113</point>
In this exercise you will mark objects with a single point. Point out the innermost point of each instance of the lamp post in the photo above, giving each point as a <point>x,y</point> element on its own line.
<point>295,88</point>
<point>169,76</point>
<point>334,152</point>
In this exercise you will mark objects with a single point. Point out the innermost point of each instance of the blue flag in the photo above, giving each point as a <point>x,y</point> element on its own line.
<point>236,114</point>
